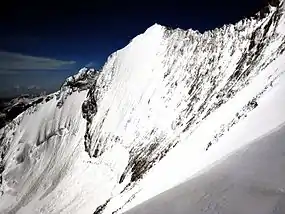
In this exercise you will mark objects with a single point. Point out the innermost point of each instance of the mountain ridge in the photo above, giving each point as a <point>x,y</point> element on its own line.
<point>107,133</point>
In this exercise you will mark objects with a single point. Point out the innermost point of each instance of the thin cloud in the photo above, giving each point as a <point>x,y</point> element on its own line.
<point>13,63</point>
<point>92,65</point>
<point>9,71</point>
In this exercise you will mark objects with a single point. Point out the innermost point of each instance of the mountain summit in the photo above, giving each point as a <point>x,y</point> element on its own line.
<point>154,116</point>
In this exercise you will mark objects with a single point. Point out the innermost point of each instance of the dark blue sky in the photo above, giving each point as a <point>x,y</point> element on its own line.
<point>78,33</point>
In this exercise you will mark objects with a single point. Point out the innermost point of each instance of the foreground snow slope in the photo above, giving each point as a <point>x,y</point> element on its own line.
<point>250,181</point>
<point>154,116</point>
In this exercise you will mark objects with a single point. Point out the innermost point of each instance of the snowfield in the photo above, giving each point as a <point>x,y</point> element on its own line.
<point>165,109</point>
<point>250,181</point>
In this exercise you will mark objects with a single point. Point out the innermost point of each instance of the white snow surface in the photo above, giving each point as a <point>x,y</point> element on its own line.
<point>249,181</point>
<point>163,109</point>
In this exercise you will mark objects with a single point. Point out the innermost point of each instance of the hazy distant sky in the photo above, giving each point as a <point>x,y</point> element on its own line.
<point>43,43</point>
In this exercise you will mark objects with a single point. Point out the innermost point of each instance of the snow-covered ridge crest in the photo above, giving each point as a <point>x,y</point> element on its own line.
<point>81,81</point>
<point>101,142</point>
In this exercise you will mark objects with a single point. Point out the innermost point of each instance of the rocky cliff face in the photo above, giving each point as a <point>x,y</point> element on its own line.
<point>91,144</point>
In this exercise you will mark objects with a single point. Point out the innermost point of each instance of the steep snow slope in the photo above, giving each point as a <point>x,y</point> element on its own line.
<point>191,159</point>
<point>105,142</point>
<point>250,181</point>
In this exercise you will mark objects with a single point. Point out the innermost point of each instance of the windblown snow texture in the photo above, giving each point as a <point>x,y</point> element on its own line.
<point>237,185</point>
<point>97,144</point>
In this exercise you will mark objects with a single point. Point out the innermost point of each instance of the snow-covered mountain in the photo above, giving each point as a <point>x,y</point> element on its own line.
<point>152,118</point>
<point>11,108</point>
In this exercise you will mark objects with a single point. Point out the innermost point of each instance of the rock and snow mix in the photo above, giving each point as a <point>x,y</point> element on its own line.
<point>150,119</point>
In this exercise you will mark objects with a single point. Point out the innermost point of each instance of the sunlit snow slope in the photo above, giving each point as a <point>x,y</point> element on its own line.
<point>153,117</point>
